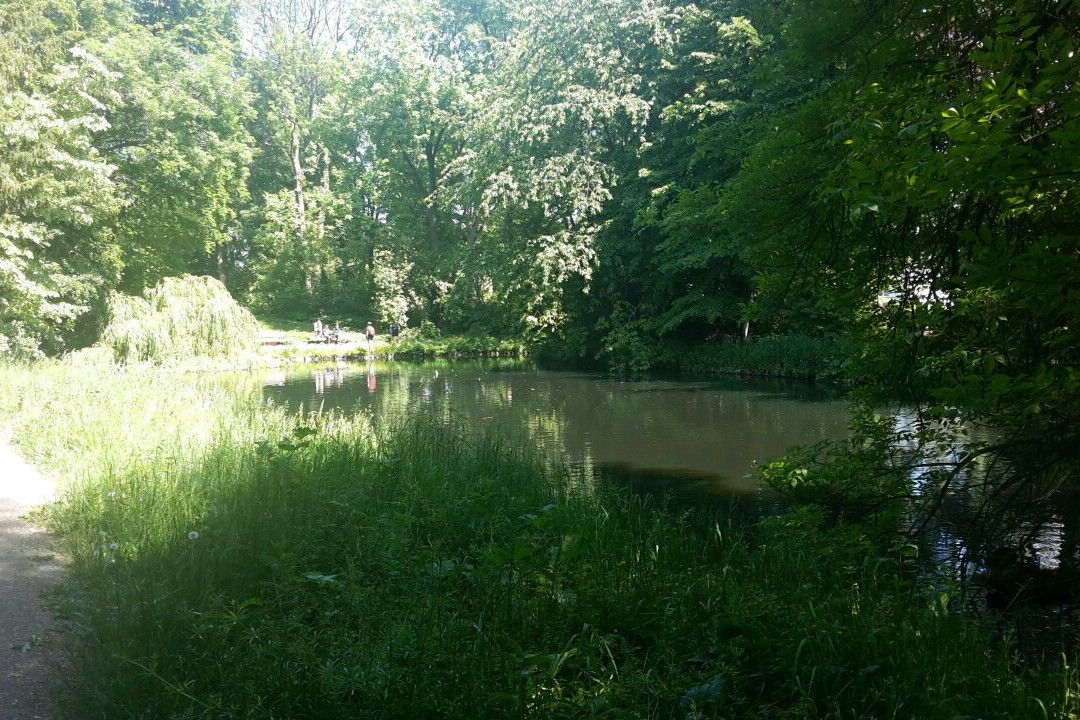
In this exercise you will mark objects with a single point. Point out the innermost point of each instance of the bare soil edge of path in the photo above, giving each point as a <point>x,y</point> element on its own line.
<point>31,663</point>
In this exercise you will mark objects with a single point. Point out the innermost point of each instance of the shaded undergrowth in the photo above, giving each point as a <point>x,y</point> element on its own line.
<point>261,567</point>
<point>795,356</point>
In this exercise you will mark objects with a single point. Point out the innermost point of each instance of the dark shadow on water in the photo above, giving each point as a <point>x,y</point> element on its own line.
<point>798,390</point>
<point>684,489</point>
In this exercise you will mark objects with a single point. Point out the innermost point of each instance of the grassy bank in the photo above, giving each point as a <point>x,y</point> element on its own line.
<point>228,562</point>
<point>793,356</point>
<point>291,340</point>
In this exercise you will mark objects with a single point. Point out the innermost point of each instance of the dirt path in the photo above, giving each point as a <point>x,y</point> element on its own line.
<point>29,657</point>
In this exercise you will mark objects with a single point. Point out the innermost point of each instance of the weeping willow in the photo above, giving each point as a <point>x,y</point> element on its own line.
<point>182,317</point>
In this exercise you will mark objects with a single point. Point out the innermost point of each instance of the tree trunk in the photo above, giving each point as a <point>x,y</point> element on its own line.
<point>326,188</point>
<point>433,228</point>
<point>301,207</point>
<point>298,179</point>
<point>220,262</point>
<point>431,153</point>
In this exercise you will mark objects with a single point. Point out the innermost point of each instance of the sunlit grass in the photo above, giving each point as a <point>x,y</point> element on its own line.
<point>293,340</point>
<point>76,422</point>
<point>230,561</point>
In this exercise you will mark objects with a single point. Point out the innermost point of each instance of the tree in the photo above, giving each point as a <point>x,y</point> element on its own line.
<point>698,279</point>
<point>411,103</point>
<point>296,50</point>
<point>56,259</point>
<point>559,96</point>
<point>179,139</point>
<point>941,184</point>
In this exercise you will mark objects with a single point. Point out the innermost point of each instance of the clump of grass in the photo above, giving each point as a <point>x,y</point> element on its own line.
<point>179,319</point>
<point>76,421</point>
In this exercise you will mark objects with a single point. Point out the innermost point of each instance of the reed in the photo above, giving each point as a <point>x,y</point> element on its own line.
<point>799,356</point>
<point>256,565</point>
<point>179,319</point>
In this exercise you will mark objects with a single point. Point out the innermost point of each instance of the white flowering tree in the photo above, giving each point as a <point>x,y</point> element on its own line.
<point>55,187</point>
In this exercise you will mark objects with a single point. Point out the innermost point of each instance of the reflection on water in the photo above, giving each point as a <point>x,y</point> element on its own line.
<point>984,521</point>
<point>1048,542</point>
<point>968,504</point>
<point>328,380</point>
<point>707,434</point>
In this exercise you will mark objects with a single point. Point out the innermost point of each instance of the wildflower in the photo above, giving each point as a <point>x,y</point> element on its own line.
<point>113,546</point>
<point>193,535</point>
<point>112,494</point>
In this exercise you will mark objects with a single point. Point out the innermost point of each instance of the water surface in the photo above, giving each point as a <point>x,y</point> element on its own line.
<point>704,434</point>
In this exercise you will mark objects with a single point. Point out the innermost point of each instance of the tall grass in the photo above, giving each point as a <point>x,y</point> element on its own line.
<point>180,318</point>
<point>77,422</point>
<point>253,567</point>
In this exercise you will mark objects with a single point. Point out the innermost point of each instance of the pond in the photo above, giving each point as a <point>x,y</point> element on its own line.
<point>701,436</point>
<point>693,440</point>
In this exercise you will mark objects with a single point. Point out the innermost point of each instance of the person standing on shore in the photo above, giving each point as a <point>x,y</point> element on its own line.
<point>369,333</point>
<point>395,330</point>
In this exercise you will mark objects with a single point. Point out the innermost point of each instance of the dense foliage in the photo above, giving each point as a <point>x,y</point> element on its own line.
<point>178,320</point>
<point>600,175</point>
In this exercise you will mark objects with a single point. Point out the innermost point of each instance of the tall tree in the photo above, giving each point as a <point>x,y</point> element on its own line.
<point>179,140</point>
<point>296,49</point>
<point>56,259</point>
<point>412,114</point>
<point>691,278</point>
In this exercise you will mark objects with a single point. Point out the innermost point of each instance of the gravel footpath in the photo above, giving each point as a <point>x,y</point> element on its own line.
<point>30,660</point>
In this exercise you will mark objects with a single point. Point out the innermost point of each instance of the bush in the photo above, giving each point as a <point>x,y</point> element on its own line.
<point>630,346</point>
<point>180,318</point>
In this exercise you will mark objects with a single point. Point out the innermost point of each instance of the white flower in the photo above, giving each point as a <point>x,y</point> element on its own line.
<point>112,494</point>
<point>113,546</point>
<point>193,535</point>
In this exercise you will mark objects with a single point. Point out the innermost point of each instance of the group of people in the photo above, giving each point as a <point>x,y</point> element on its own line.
<point>325,333</point>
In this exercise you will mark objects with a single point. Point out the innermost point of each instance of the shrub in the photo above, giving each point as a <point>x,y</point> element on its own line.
<point>180,318</point>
